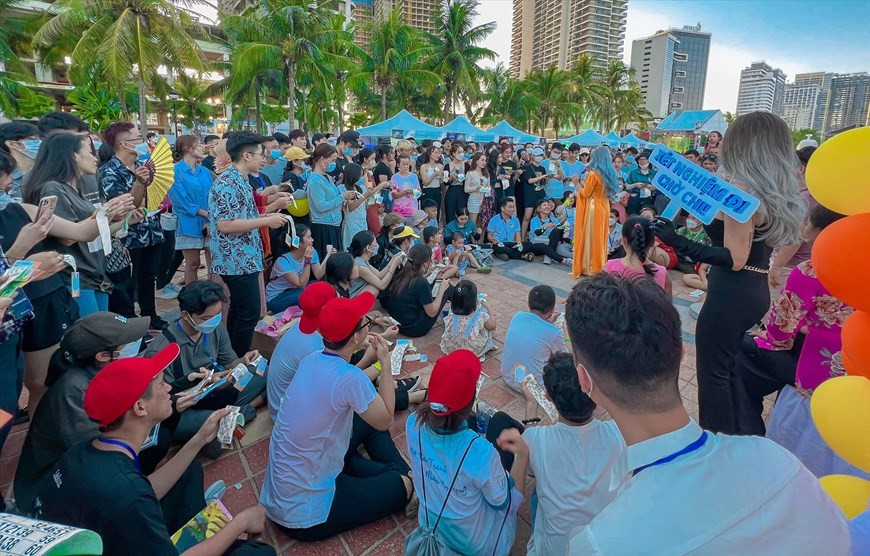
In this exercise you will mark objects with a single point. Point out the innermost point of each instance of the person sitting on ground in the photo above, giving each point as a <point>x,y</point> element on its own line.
<point>638,244</point>
<point>503,231</point>
<point>662,254</point>
<point>762,491</point>
<point>317,484</point>
<point>614,237</point>
<point>391,221</point>
<point>100,484</point>
<point>205,346</point>
<point>460,255</point>
<point>571,460</point>
<point>401,240</point>
<point>477,513</point>
<point>531,338</point>
<point>469,324</point>
<point>693,230</point>
<point>341,271</point>
<point>545,233</point>
<point>433,238</point>
<point>463,224</point>
<point>410,299</point>
<point>697,279</point>
<point>363,248</point>
<point>293,270</point>
<point>430,207</point>
<point>418,221</point>
<point>60,421</point>
<point>303,339</point>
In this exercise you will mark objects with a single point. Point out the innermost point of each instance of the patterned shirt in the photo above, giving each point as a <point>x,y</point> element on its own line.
<point>231,198</point>
<point>117,179</point>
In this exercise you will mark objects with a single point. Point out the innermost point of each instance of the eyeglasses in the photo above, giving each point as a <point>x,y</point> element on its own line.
<point>366,321</point>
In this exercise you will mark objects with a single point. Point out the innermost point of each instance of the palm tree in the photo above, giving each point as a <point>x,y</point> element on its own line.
<point>13,36</point>
<point>511,103</point>
<point>548,88</point>
<point>193,111</point>
<point>616,77</point>
<point>282,35</point>
<point>95,105</point>
<point>585,91</point>
<point>629,107</point>
<point>455,52</point>
<point>130,37</point>
<point>729,117</point>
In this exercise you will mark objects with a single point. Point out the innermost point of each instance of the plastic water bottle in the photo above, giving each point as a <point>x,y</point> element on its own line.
<point>483,416</point>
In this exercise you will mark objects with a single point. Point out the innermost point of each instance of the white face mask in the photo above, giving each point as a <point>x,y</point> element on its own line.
<point>130,350</point>
<point>612,221</point>
<point>692,223</point>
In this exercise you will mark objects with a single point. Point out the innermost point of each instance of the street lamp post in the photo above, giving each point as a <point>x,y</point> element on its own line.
<point>173,96</point>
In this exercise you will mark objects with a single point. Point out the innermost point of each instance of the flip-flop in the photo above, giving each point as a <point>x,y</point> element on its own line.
<point>484,270</point>
<point>408,384</point>
<point>215,491</point>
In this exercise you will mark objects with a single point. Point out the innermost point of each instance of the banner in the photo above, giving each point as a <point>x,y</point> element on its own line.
<point>702,194</point>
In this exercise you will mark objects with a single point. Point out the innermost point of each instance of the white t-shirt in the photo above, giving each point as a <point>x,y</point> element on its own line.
<point>530,340</point>
<point>477,507</point>
<point>310,439</point>
<point>293,347</point>
<point>571,465</point>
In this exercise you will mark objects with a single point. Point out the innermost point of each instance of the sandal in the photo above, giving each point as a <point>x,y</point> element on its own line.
<point>528,257</point>
<point>408,384</point>
<point>484,270</point>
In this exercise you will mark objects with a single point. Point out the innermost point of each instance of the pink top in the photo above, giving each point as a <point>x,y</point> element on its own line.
<point>806,302</point>
<point>616,266</point>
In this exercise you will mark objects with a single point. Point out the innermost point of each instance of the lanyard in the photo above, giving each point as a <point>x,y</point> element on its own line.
<point>259,180</point>
<point>696,445</point>
<point>126,447</point>
<point>217,366</point>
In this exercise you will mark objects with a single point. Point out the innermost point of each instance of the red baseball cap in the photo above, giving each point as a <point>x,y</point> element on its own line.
<point>116,388</point>
<point>340,316</point>
<point>453,382</point>
<point>312,300</point>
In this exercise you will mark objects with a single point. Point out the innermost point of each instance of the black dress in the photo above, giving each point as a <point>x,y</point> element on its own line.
<point>735,302</point>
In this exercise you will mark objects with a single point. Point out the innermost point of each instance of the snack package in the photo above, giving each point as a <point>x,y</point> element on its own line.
<point>228,425</point>
<point>538,392</point>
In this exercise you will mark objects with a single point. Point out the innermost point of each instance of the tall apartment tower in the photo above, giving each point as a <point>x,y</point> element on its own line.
<point>761,89</point>
<point>822,80</point>
<point>849,101</point>
<point>420,14</point>
<point>362,12</point>
<point>553,33</point>
<point>800,104</point>
<point>671,69</point>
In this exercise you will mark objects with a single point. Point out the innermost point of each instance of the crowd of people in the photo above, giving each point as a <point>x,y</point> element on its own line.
<point>317,231</point>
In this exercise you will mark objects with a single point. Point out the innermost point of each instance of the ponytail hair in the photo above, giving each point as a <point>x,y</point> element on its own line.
<point>638,234</point>
<point>184,144</point>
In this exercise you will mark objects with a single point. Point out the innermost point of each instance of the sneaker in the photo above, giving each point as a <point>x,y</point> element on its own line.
<point>484,270</point>
<point>547,260</point>
<point>169,291</point>
<point>408,384</point>
<point>568,262</point>
<point>215,491</point>
<point>502,257</point>
<point>158,323</point>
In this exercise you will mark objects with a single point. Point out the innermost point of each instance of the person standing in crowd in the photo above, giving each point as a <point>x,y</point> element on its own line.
<point>591,224</point>
<point>121,175</point>
<point>761,490</point>
<point>573,170</point>
<point>298,138</point>
<point>234,238</point>
<point>105,478</point>
<point>347,147</point>
<point>534,180</point>
<point>455,196</point>
<point>710,162</point>
<point>714,143</point>
<point>319,138</point>
<point>210,142</point>
<point>430,175</point>
<point>638,241</point>
<point>275,163</point>
<point>189,197</point>
<point>693,156</point>
<point>297,171</point>
<point>759,157</point>
<point>326,199</point>
<point>556,184</point>
<point>316,484</point>
<point>506,173</point>
<point>405,188</point>
<point>22,142</point>
<point>54,122</point>
<point>477,512</point>
<point>355,207</point>
<point>477,187</point>
<point>532,338</point>
<point>410,299</point>
<point>639,184</point>
<point>383,171</point>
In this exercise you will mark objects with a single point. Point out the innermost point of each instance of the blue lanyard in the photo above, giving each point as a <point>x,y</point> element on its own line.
<point>696,445</point>
<point>218,367</point>
<point>126,447</point>
<point>259,180</point>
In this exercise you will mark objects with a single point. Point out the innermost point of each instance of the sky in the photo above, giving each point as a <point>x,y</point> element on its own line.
<point>795,36</point>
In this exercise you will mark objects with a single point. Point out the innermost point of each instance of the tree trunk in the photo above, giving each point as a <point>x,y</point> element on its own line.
<point>259,114</point>
<point>143,105</point>
<point>447,100</point>
<point>383,103</point>
<point>291,93</point>
<point>341,116</point>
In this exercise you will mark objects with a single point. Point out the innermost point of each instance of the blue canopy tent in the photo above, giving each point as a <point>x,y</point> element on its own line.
<point>402,124</point>
<point>589,138</point>
<point>464,129</point>
<point>633,140</point>
<point>613,139</point>
<point>504,129</point>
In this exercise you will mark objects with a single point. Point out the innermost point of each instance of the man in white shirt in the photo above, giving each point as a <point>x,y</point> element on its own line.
<point>682,490</point>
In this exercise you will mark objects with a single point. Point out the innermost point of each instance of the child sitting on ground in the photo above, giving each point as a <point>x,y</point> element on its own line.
<point>571,459</point>
<point>468,325</point>
<point>461,256</point>
<point>433,237</point>
<point>430,207</point>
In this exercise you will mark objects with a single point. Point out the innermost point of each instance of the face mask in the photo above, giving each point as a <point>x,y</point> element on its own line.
<point>348,152</point>
<point>275,154</point>
<point>629,159</point>
<point>539,158</point>
<point>208,326</point>
<point>97,145</point>
<point>467,156</point>
<point>130,350</point>
<point>692,223</point>
<point>330,167</point>
<point>555,155</point>
<point>142,149</point>
<point>644,165</point>
<point>31,147</point>
<point>5,199</point>
<point>375,249</point>
<point>612,221</point>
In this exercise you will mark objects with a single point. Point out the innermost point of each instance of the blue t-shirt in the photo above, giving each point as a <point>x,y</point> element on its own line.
<point>535,226</point>
<point>555,188</point>
<point>504,230</point>
<point>529,341</point>
<point>286,263</point>
<point>233,254</point>
<point>453,226</point>
<point>188,194</point>
<point>571,170</point>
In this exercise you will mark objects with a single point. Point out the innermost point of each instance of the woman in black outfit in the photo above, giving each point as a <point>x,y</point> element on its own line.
<point>409,297</point>
<point>758,157</point>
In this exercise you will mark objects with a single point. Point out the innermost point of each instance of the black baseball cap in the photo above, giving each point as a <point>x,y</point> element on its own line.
<point>350,136</point>
<point>318,136</point>
<point>99,332</point>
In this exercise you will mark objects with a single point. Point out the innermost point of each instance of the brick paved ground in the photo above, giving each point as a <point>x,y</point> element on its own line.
<point>507,287</point>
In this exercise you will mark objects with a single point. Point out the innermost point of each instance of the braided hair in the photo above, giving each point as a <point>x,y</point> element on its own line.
<point>638,234</point>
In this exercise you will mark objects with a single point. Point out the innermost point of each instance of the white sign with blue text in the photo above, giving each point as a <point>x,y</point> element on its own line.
<point>696,190</point>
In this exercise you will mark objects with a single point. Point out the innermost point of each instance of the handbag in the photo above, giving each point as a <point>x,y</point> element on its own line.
<point>118,264</point>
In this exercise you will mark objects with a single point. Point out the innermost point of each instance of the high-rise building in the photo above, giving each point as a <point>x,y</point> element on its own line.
<point>362,12</point>
<point>420,14</point>
<point>553,33</point>
<point>822,80</point>
<point>849,101</point>
<point>761,89</point>
<point>671,69</point>
<point>800,104</point>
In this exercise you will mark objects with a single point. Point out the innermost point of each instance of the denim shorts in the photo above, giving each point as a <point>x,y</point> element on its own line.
<point>190,242</point>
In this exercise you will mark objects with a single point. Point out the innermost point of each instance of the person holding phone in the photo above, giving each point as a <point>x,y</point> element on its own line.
<point>534,179</point>
<point>410,298</point>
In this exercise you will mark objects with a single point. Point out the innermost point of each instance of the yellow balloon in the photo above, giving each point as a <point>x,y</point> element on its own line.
<point>831,175</point>
<point>850,493</point>
<point>841,411</point>
<point>299,208</point>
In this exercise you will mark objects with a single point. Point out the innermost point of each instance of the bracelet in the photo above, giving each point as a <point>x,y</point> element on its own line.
<point>531,421</point>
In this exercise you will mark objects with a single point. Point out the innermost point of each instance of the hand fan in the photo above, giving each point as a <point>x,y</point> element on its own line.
<point>161,168</point>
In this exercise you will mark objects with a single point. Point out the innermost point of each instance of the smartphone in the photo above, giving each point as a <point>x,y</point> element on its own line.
<point>48,203</point>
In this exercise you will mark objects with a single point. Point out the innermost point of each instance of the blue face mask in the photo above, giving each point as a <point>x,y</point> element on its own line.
<point>275,154</point>
<point>31,147</point>
<point>142,149</point>
<point>208,326</point>
<point>629,159</point>
<point>375,249</point>
<point>348,151</point>
<point>5,199</point>
<point>97,145</point>
<point>467,156</point>
<point>330,168</point>
<point>130,350</point>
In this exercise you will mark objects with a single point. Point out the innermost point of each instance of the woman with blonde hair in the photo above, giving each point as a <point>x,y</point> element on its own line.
<point>592,217</point>
<point>758,157</point>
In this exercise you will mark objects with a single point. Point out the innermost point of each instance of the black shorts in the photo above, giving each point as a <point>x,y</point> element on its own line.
<point>53,315</point>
